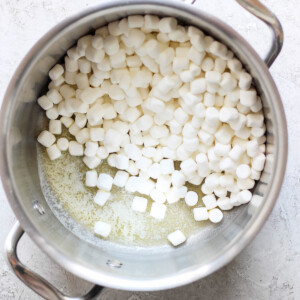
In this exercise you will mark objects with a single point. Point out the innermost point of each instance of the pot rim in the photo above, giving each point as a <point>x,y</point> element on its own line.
<point>172,281</point>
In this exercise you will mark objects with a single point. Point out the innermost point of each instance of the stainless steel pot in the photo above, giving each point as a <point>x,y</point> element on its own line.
<point>133,268</point>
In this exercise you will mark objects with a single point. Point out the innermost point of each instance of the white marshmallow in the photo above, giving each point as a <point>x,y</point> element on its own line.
<point>74,129</point>
<point>167,166</point>
<point>228,114</point>
<point>102,228</point>
<point>236,152</point>
<point>97,134</point>
<point>135,21</point>
<point>102,153</point>
<point>139,204</point>
<point>213,76</point>
<point>151,23</point>
<point>258,162</point>
<point>244,196</point>
<point>200,213</point>
<point>62,144</point>
<point>114,28</point>
<point>83,135</point>
<point>112,139</point>
<point>136,38</point>
<point>105,182</point>
<point>209,201</point>
<point>227,165</point>
<point>145,122</point>
<point>167,24</point>
<point>198,86</point>
<point>224,203</point>
<point>91,178</point>
<point>255,120</point>
<point>245,184</point>
<point>207,64</point>
<point>122,162</point>
<point>111,45</point>
<point>133,152</point>
<point>188,166</point>
<point>215,215</point>
<point>248,97</point>
<point>44,102</point>
<point>228,82</point>
<point>53,152</point>
<point>121,178</point>
<point>221,149</point>
<point>144,163</point>
<point>243,171</point>
<point>180,116</point>
<point>176,238</point>
<point>91,162</point>
<point>158,210</point>
<point>191,198</point>
<point>224,134</point>
<point>91,149</point>
<point>56,72</point>
<point>252,148</point>
<point>245,81</point>
<point>46,138</point>
<point>205,137</point>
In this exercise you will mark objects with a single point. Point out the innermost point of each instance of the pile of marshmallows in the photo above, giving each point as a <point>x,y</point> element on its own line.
<point>144,92</point>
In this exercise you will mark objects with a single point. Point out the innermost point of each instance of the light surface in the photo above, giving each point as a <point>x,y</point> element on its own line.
<point>268,268</point>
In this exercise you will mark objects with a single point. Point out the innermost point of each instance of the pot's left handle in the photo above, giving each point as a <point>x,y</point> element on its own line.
<point>33,280</point>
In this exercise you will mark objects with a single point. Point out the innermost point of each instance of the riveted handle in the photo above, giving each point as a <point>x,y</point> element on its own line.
<point>34,281</point>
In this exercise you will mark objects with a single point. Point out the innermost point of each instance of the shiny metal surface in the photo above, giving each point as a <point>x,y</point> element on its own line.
<point>21,120</point>
<point>260,11</point>
<point>31,279</point>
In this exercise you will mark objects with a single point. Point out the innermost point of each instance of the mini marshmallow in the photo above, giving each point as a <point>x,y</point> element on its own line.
<point>91,149</point>
<point>133,152</point>
<point>248,97</point>
<point>136,38</point>
<point>91,178</point>
<point>158,210</point>
<point>44,102</point>
<point>200,214</point>
<point>215,215</point>
<point>111,45</point>
<point>96,134</point>
<point>236,152</point>
<point>176,238</point>
<point>209,201</point>
<point>188,166</point>
<point>83,135</point>
<point>55,127</point>
<point>122,162</point>
<point>121,178</point>
<point>163,183</point>
<point>91,162</point>
<point>53,152</point>
<point>180,116</point>
<point>167,166</point>
<point>103,229</point>
<point>205,137</point>
<point>228,114</point>
<point>191,198</point>
<point>139,204</point>
<point>105,182</point>
<point>144,163</point>
<point>198,86</point>
<point>145,122</point>
<point>227,165</point>
<point>56,72</point>
<point>74,129</point>
<point>252,148</point>
<point>167,24</point>
<point>101,153</point>
<point>213,76</point>
<point>62,144</point>
<point>244,196</point>
<point>207,64</point>
<point>228,82</point>
<point>46,138</point>
<point>245,81</point>
<point>224,203</point>
<point>258,162</point>
<point>221,149</point>
<point>224,134</point>
<point>255,120</point>
<point>243,171</point>
<point>245,184</point>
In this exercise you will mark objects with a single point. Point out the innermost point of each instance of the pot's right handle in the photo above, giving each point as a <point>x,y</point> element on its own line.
<point>34,281</point>
<point>257,9</point>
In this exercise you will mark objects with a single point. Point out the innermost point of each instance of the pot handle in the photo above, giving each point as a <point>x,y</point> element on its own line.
<point>256,8</point>
<point>34,281</point>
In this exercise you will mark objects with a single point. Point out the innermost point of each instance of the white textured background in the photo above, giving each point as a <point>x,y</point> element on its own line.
<point>269,267</point>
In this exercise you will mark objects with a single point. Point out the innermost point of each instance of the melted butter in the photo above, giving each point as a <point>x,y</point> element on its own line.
<point>66,178</point>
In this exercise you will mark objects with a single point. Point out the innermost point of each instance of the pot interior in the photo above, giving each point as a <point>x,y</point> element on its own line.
<point>74,247</point>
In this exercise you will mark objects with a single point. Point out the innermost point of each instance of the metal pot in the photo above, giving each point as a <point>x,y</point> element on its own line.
<point>133,268</point>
